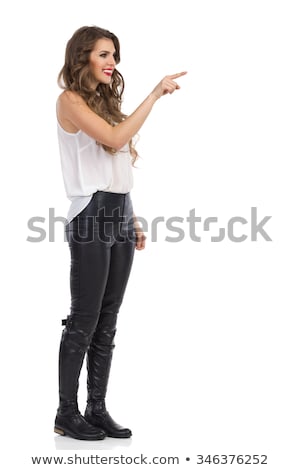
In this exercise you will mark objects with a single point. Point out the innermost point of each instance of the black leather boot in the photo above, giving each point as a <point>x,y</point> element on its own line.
<point>68,419</point>
<point>71,423</point>
<point>97,415</point>
<point>99,357</point>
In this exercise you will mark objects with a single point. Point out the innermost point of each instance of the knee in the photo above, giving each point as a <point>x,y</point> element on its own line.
<point>104,335</point>
<point>79,328</point>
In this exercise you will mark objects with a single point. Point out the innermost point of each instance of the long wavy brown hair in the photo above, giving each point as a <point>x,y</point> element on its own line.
<point>75,75</point>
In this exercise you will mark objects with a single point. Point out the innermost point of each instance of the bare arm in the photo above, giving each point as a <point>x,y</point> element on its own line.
<point>72,109</point>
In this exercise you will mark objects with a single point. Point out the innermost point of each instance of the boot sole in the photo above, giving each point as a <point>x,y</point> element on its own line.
<point>63,432</point>
<point>59,431</point>
<point>115,436</point>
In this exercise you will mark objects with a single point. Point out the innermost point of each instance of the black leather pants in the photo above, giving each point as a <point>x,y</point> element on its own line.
<point>102,243</point>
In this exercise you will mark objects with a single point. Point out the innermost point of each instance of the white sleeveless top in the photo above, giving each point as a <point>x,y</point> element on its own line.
<point>87,168</point>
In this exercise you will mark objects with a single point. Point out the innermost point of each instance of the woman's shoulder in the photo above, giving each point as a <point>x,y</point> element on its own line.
<point>66,105</point>
<point>68,97</point>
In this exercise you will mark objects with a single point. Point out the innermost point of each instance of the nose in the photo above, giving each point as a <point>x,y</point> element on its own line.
<point>112,60</point>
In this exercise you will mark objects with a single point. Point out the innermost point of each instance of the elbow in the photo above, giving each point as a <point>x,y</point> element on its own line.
<point>118,147</point>
<point>119,139</point>
<point>112,143</point>
<point>119,143</point>
<point>114,139</point>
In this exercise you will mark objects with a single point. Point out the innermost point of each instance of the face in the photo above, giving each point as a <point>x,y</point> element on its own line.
<point>102,61</point>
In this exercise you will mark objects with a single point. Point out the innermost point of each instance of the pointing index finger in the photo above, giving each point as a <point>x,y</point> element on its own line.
<point>177,75</point>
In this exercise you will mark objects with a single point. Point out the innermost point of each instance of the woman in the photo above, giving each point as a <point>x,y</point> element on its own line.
<point>97,155</point>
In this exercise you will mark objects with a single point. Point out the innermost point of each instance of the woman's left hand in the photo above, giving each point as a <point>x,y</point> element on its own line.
<point>140,238</point>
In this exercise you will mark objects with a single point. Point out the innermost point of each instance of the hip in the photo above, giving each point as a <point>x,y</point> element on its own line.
<point>106,215</point>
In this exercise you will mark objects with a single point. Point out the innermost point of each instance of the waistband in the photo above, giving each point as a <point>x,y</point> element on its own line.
<point>109,195</point>
<point>105,205</point>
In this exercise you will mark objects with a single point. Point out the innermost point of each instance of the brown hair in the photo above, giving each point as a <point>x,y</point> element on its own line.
<point>75,75</point>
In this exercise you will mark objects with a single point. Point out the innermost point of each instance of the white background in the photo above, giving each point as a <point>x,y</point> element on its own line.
<point>207,349</point>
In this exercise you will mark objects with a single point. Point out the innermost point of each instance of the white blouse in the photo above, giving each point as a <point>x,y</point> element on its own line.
<point>87,168</point>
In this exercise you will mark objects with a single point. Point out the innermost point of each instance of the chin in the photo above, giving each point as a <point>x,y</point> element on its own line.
<point>106,79</point>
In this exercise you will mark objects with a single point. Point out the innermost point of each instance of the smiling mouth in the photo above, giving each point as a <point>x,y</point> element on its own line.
<point>108,72</point>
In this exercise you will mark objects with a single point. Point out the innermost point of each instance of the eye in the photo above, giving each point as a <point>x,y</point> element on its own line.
<point>103,54</point>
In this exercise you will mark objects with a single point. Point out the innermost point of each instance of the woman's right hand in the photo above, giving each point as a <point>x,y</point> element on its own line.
<point>167,85</point>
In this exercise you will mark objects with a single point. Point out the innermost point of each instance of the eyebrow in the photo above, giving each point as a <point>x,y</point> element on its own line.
<point>107,52</point>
